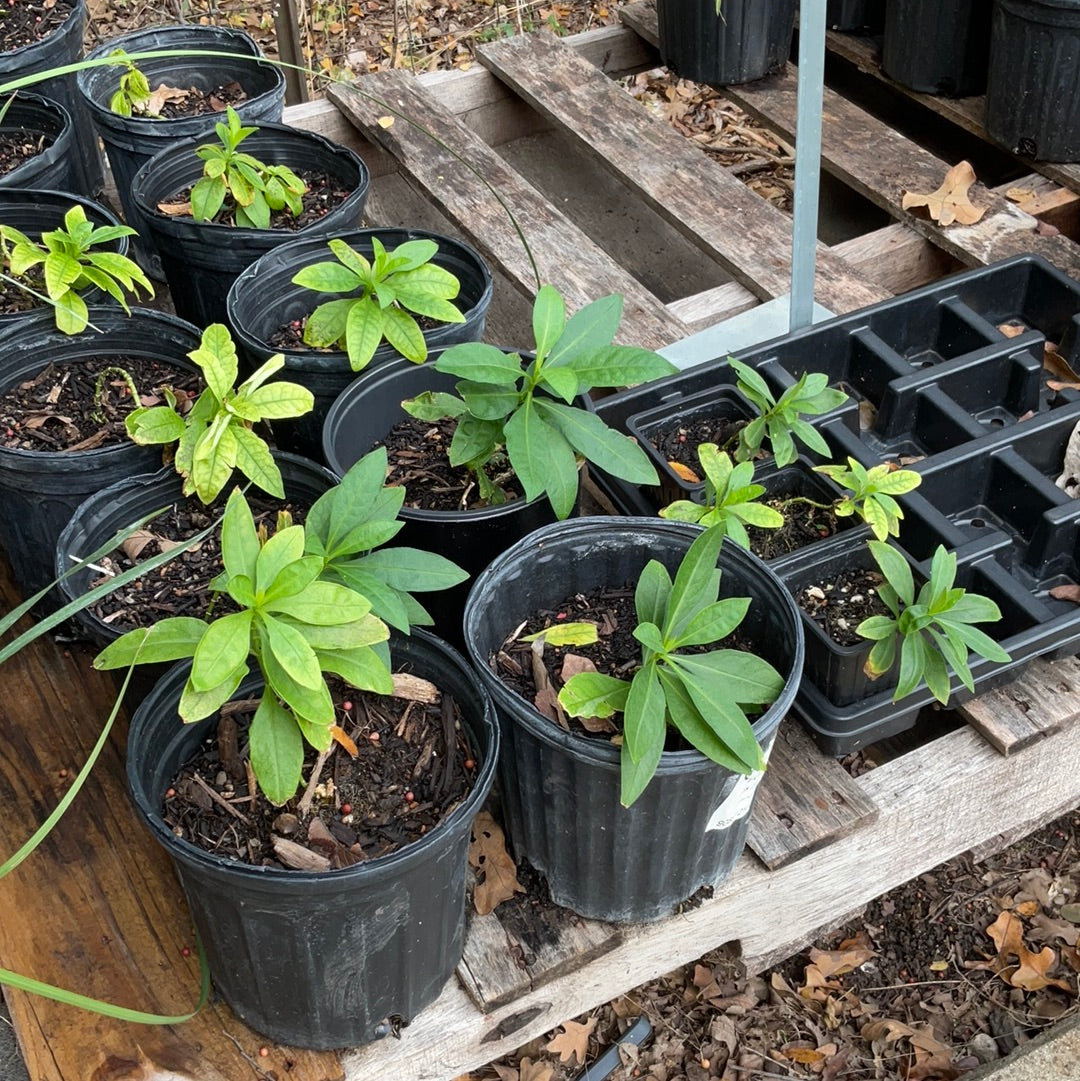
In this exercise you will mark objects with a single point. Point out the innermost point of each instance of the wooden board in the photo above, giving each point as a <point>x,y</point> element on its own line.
<point>97,908</point>
<point>805,801</point>
<point>1043,699</point>
<point>881,164</point>
<point>459,172</point>
<point>747,235</point>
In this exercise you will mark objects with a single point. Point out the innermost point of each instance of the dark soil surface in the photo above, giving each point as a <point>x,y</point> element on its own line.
<point>289,337</point>
<point>418,453</point>
<point>180,587</point>
<point>191,101</point>
<point>55,410</point>
<point>19,145</point>
<point>323,194</point>
<point>840,604</point>
<point>24,23</point>
<point>14,300</point>
<point>679,442</point>
<point>412,766</point>
<point>803,524</point>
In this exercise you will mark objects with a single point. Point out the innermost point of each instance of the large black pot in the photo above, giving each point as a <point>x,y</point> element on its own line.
<point>63,46</point>
<point>50,123</point>
<point>362,416</point>
<point>132,140</point>
<point>324,960</point>
<point>1033,92</point>
<point>34,211</point>
<point>746,40</point>
<point>561,791</point>
<point>263,297</point>
<point>40,490</point>
<point>201,260</point>
<point>937,46</point>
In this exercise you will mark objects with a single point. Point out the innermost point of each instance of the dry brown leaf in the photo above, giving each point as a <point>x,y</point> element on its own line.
<point>487,853</point>
<point>838,962</point>
<point>162,96</point>
<point>885,1030</point>
<point>572,1042</point>
<point>1046,927</point>
<point>1026,908</point>
<point>867,415</point>
<point>546,698</point>
<point>1058,366</point>
<point>1030,974</point>
<point>950,202</point>
<point>175,210</point>
<point>685,472</point>
<point>344,739</point>
<point>41,419</point>
<point>535,1071</point>
<point>136,542</point>
<point>803,1052</point>
<point>1019,195</point>
<point>1011,330</point>
<point>506,1073</point>
<point>1066,593</point>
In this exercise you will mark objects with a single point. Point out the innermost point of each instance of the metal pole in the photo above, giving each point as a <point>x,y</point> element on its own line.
<point>807,160</point>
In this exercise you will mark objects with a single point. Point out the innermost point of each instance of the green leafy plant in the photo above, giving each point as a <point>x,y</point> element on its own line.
<point>216,435</point>
<point>347,523</point>
<point>66,263</point>
<point>933,629</point>
<point>522,413</point>
<point>871,494</point>
<point>254,190</point>
<point>705,695</point>
<point>780,420</point>
<point>133,92</point>
<point>293,624</point>
<point>730,498</point>
<point>385,295</point>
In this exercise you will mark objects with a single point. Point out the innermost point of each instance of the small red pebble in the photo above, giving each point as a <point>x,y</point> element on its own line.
<point>346,706</point>
<point>169,793</point>
<point>374,737</point>
<point>346,809</point>
<point>185,952</point>
<point>560,615</point>
<point>470,764</point>
<point>409,797</point>
<point>63,773</point>
<point>264,1052</point>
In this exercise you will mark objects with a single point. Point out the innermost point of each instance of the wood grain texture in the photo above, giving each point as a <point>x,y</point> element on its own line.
<point>1044,698</point>
<point>565,256</point>
<point>748,236</point>
<point>96,908</point>
<point>804,801</point>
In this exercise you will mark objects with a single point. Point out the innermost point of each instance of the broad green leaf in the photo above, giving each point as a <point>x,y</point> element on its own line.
<point>876,627</point>
<point>403,332</point>
<point>216,358</point>
<point>277,750</point>
<point>652,593</point>
<point>685,716</point>
<point>327,277</point>
<point>751,381</point>
<point>560,382</point>
<point>60,271</point>
<point>365,325</point>
<point>324,604</point>
<point>876,518</point>
<point>972,608</point>
<point>975,640</point>
<point>171,639</point>
<point>325,326</point>
<point>291,651</point>
<point>899,481</point>
<point>221,650</point>
<point>71,313</point>
<point>488,401</point>
<point>548,319</point>
<point>713,623</point>
<point>239,541</point>
<point>594,694</point>
<point>616,366</point>
<point>434,405</point>
<point>644,722</point>
<point>207,197</point>
<point>912,665</point>
<point>682,510</point>
<point>197,705</point>
<point>896,570</point>
<point>706,690</point>
<point>281,399</point>
<point>253,458</point>
<point>936,674</point>
<point>881,657</point>
<point>590,328</point>
<point>292,581</point>
<point>284,547</point>
<point>212,461</point>
<point>480,363</point>
<point>634,777</point>
<point>473,440</point>
<point>742,677</point>
<point>529,445</point>
<point>387,603</point>
<point>648,634</point>
<point>154,425</point>
<point>313,704</point>
<point>611,451</point>
<point>366,631</point>
<point>361,668</point>
<point>413,570</point>
<point>690,591</point>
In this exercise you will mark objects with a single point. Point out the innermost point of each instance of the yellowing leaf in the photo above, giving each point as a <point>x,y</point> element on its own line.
<point>487,853</point>
<point>950,202</point>
<point>385,121</point>
<point>572,1042</point>
<point>685,472</point>
<point>581,633</point>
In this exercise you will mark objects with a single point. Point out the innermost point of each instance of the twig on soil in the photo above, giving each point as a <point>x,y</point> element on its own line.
<point>220,800</point>
<point>304,806</point>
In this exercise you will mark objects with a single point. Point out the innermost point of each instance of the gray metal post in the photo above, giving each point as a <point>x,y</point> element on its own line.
<point>807,161</point>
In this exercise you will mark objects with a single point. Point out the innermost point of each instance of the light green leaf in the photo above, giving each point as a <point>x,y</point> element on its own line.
<point>171,639</point>
<point>594,694</point>
<point>277,749</point>
<point>223,649</point>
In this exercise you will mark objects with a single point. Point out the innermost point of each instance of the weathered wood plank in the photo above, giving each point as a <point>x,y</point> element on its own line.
<point>97,908</point>
<point>805,801</point>
<point>881,164</point>
<point>933,805</point>
<point>748,236</point>
<point>1041,700</point>
<point>460,183</point>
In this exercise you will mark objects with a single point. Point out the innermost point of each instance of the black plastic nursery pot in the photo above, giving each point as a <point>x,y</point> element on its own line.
<point>560,791</point>
<point>34,211</point>
<point>201,260</point>
<point>745,40</point>
<point>48,125</point>
<point>41,490</point>
<point>132,140</point>
<point>1033,91</point>
<point>333,959</point>
<point>937,46</point>
<point>362,416</point>
<point>63,46</point>
<point>111,509</point>
<point>263,298</point>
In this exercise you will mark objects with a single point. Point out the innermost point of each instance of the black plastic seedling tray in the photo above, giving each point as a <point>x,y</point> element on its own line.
<point>949,381</point>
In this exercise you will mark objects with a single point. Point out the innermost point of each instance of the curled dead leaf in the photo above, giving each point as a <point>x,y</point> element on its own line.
<point>488,855</point>
<point>136,542</point>
<point>950,202</point>
<point>175,210</point>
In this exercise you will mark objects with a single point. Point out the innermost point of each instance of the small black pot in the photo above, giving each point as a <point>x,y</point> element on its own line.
<point>132,140</point>
<point>54,166</point>
<point>561,791</point>
<point>263,297</point>
<point>333,959</point>
<point>63,46</point>
<point>40,490</point>
<point>937,46</point>
<point>746,40</point>
<point>109,510</point>
<point>1033,92</point>
<point>34,211</point>
<point>362,416</point>
<point>201,260</point>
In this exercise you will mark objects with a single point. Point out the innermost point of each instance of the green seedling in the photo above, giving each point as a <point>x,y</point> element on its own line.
<point>523,411</point>
<point>871,494</point>
<point>295,626</point>
<point>68,261</point>
<point>705,695</point>
<point>216,435</point>
<point>385,296</point>
<point>934,629</point>
<point>133,93</point>
<point>240,182</point>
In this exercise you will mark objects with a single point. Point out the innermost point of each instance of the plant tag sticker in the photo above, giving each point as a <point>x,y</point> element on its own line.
<point>737,804</point>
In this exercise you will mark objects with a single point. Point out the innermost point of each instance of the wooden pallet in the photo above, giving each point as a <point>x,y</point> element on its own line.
<point>97,908</point>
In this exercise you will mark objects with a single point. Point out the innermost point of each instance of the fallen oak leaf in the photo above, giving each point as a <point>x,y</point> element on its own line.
<point>487,853</point>
<point>950,203</point>
<point>164,95</point>
<point>535,1071</point>
<point>572,1042</point>
<point>1055,363</point>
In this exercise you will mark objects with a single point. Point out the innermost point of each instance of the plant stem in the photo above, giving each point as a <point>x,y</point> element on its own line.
<point>810,502</point>
<point>99,390</point>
